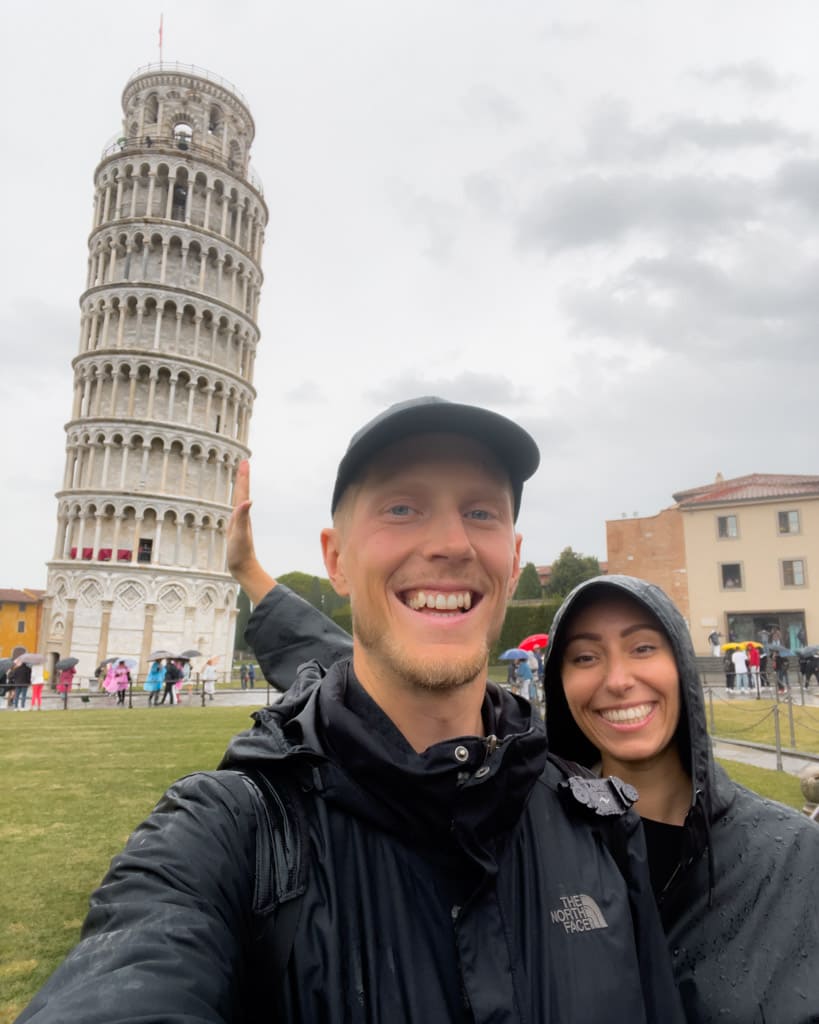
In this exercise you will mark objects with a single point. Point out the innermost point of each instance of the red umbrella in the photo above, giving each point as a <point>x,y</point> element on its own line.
<point>533,641</point>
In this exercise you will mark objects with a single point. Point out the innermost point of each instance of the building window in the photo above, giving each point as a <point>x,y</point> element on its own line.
<point>21,627</point>
<point>793,572</point>
<point>21,607</point>
<point>727,526</point>
<point>146,546</point>
<point>731,575</point>
<point>788,522</point>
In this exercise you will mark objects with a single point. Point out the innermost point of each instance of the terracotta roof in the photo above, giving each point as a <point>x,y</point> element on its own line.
<point>753,487</point>
<point>21,596</point>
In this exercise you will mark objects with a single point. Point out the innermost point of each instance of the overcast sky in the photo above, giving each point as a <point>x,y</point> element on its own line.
<point>599,218</point>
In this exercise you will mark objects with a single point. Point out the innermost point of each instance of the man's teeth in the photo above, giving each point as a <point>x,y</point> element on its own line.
<point>440,602</point>
<point>627,714</point>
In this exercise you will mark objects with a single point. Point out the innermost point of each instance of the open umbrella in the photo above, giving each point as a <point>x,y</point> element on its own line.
<point>786,652</point>
<point>129,662</point>
<point>66,663</point>
<point>513,654</point>
<point>750,643</point>
<point>804,652</point>
<point>533,641</point>
<point>159,655</point>
<point>5,664</point>
<point>191,653</point>
<point>31,659</point>
<point>731,647</point>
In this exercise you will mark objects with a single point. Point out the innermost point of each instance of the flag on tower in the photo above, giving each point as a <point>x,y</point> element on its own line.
<point>161,16</point>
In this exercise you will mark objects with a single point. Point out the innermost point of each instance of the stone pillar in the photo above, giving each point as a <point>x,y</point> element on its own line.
<point>147,637</point>
<point>105,628</point>
<point>68,636</point>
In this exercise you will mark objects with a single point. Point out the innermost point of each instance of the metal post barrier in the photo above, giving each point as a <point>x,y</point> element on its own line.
<point>790,720</point>
<point>711,709</point>
<point>801,689</point>
<point>130,691</point>
<point>778,738</point>
<point>202,689</point>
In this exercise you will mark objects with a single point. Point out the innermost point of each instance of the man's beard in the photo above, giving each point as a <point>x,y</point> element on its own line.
<point>440,672</point>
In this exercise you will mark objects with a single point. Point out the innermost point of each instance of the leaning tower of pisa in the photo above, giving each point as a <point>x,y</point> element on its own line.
<point>163,380</point>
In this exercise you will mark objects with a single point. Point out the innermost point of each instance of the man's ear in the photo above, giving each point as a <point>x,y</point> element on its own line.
<point>513,579</point>
<point>333,561</point>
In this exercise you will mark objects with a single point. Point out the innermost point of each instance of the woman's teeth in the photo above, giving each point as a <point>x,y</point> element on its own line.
<point>633,714</point>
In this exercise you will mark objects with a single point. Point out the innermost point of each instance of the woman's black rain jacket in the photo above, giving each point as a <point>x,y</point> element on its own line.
<point>742,912</point>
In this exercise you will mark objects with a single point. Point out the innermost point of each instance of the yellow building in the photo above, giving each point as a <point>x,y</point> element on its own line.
<point>20,615</point>
<point>752,556</point>
<point>738,556</point>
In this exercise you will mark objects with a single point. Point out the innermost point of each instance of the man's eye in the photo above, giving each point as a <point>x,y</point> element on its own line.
<point>479,513</point>
<point>399,510</point>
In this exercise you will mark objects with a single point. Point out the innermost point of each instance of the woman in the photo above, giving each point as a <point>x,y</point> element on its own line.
<point>117,680</point>
<point>734,874</point>
<point>154,682</point>
<point>65,681</point>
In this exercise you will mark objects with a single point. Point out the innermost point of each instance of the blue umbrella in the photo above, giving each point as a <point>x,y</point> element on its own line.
<point>513,654</point>
<point>786,652</point>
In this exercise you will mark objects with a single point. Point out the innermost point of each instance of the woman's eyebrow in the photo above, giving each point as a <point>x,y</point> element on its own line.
<point>638,626</point>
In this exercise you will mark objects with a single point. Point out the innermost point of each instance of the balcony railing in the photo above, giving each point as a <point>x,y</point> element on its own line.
<point>179,143</point>
<point>187,69</point>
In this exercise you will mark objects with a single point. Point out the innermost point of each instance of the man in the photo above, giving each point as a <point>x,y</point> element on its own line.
<point>740,662</point>
<point>446,871</point>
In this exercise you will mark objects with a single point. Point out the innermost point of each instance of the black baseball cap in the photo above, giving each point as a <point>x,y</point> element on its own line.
<point>514,449</point>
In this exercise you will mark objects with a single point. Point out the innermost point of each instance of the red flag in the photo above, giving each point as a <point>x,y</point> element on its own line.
<point>161,16</point>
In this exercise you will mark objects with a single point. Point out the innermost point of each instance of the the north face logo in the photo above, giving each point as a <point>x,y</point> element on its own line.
<point>578,914</point>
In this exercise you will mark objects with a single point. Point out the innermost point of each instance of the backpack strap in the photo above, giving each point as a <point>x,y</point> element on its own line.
<point>281,867</point>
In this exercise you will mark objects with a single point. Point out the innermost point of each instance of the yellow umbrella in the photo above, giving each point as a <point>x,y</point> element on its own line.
<point>731,647</point>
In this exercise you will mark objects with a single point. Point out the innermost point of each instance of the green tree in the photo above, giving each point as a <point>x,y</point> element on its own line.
<point>569,569</point>
<point>528,587</point>
<point>242,615</point>
<point>316,590</point>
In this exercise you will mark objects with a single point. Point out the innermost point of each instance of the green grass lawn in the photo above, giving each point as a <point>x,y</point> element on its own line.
<point>753,720</point>
<point>76,784</point>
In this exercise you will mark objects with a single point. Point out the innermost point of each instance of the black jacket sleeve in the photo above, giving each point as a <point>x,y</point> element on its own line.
<point>286,631</point>
<point>166,935</point>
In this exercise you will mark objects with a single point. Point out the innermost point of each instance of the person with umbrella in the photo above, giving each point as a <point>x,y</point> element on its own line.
<point>118,679</point>
<point>154,682</point>
<point>173,675</point>
<point>21,680</point>
<point>67,667</point>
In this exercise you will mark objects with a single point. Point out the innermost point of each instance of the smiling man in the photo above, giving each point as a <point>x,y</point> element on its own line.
<point>419,857</point>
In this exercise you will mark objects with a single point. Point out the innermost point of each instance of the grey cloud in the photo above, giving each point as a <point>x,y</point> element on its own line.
<point>484,192</point>
<point>593,209</point>
<point>438,219</point>
<point>474,388</point>
<point>489,103</point>
<point>568,31</point>
<point>686,304</point>
<point>755,75</point>
<point>611,135</point>
<point>38,336</point>
<point>798,181</point>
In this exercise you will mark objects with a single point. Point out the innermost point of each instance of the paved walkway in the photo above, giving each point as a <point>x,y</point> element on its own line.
<point>791,763</point>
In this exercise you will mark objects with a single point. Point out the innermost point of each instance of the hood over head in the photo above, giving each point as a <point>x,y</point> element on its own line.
<point>565,737</point>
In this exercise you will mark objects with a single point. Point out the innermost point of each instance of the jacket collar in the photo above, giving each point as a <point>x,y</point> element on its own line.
<point>462,794</point>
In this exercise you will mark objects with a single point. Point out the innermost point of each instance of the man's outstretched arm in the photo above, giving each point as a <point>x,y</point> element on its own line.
<point>284,630</point>
<point>167,935</point>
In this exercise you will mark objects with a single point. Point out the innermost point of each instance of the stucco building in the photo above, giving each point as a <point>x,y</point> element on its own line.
<point>740,556</point>
<point>163,379</point>
<point>20,618</point>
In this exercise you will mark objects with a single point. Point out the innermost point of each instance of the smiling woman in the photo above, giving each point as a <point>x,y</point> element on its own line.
<point>731,871</point>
